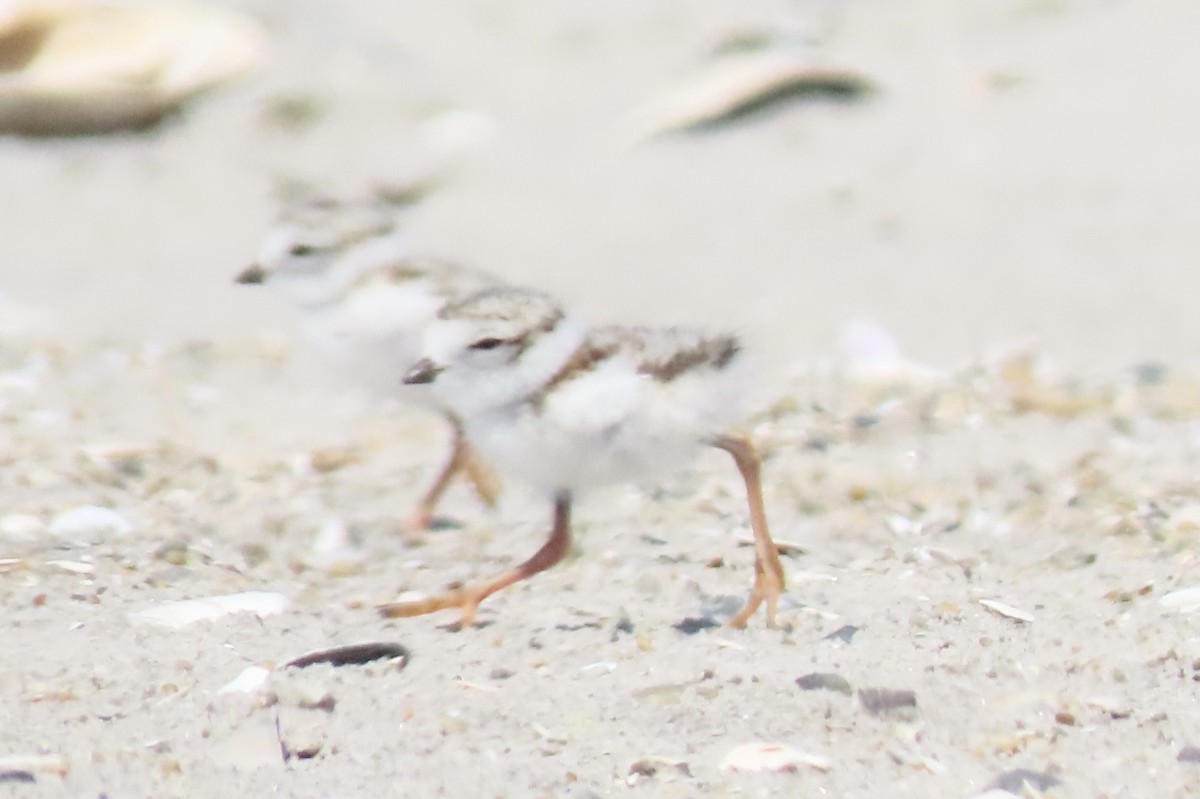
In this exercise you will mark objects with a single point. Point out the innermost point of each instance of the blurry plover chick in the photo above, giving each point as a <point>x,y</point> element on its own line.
<point>364,302</point>
<point>565,407</point>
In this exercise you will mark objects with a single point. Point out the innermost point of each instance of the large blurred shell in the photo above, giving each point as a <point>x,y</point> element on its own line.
<point>74,67</point>
<point>733,86</point>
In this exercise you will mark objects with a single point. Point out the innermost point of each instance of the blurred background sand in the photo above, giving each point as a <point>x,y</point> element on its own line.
<point>1024,168</point>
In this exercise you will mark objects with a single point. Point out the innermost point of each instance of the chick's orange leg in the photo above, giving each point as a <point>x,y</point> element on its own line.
<point>463,458</point>
<point>769,578</point>
<point>467,599</point>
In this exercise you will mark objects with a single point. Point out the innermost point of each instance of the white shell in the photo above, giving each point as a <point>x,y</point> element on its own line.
<point>70,66</point>
<point>761,756</point>
<point>174,615</point>
<point>730,85</point>
<point>87,524</point>
<point>250,680</point>
<point>36,764</point>
<point>1006,610</point>
<point>22,527</point>
<point>1185,600</point>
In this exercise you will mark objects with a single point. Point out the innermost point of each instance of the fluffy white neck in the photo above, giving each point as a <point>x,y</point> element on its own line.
<point>475,392</point>
<point>365,257</point>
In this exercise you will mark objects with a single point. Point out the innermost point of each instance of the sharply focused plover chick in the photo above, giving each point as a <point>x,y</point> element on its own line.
<point>364,301</point>
<point>565,407</point>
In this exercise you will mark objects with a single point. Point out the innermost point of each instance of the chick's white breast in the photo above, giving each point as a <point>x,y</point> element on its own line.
<point>612,424</point>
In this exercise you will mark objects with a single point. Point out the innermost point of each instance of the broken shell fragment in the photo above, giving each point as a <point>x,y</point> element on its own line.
<point>760,756</point>
<point>1184,600</point>
<point>735,86</point>
<point>352,655</point>
<point>844,634</point>
<point>1111,705</point>
<point>654,764</point>
<point>1006,610</point>
<point>175,615</point>
<point>34,764</point>
<point>72,566</point>
<point>115,460</point>
<point>249,681</point>
<point>69,67</point>
<point>784,546</point>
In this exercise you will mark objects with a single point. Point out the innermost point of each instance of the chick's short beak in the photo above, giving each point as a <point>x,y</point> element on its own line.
<point>253,274</point>
<point>423,371</point>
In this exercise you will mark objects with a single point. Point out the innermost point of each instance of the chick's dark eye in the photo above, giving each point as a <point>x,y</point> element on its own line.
<point>301,250</point>
<point>486,344</point>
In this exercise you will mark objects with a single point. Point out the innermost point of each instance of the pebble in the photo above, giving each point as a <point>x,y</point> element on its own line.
<point>89,524</point>
<point>175,615</point>
<point>303,741</point>
<point>693,625</point>
<point>889,702</point>
<point>819,681</point>
<point>1015,781</point>
<point>17,775</point>
<point>307,694</point>
<point>1189,754</point>
<point>21,527</point>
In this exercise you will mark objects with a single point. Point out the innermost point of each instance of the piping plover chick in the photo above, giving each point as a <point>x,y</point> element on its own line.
<point>565,407</point>
<point>364,301</point>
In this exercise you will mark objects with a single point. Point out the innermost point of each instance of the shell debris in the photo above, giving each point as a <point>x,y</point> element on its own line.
<point>89,524</point>
<point>1183,600</point>
<point>69,67</point>
<point>824,681</point>
<point>21,527</point>
<point>1006,610</point>
<point>763,756</point>
<point>353,655</point>
<point>1023,781</point>
<point>35,764</point>
<point>176,615</point>
<point>72,566</point>
<point>251,680</point>
<point>734,86</point>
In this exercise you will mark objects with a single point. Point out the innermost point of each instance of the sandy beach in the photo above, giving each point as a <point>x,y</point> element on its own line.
<point>991,535</point>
